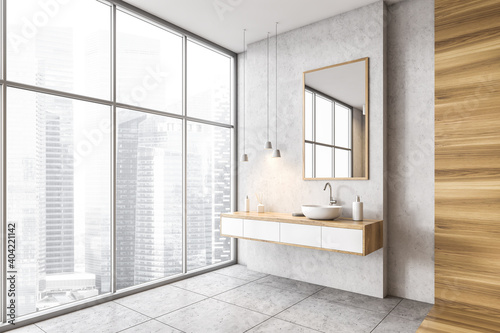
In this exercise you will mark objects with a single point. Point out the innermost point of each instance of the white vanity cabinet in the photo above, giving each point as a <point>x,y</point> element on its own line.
<point>232,227</point>
<point>341,235</point>
<point>300,234</point>
<point>348,240</point>
<point>262,230</point>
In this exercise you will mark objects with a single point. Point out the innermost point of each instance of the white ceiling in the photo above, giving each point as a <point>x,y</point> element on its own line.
<point>345,83</point>
<point>223,21</point>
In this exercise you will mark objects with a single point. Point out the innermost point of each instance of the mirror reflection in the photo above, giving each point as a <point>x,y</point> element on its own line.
<point>335,141</point>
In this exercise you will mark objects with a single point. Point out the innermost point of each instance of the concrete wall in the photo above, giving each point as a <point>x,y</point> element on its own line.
<point>411,149</point>
<point>353,35</point>
<point>409,178</point>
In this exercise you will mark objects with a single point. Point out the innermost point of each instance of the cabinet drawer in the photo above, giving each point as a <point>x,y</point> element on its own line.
<point>263,230</point>
<point>307,235</point>
<point>231,227</point>
<point>350,240</point>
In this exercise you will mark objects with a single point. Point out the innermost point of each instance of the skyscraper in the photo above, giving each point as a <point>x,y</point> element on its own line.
<point>56,182</point>
<point>158,247</point>
<point>126,198</point>
<point>55,151</point>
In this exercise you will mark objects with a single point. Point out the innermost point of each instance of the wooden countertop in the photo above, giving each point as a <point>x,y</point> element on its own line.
<point>341,222</point>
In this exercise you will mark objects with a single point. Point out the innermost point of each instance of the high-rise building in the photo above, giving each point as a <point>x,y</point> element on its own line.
<point>55,152</point>
<point>148,218</point>
<point>95,167</point>
<point>209,167</point>
<point>56,182</point>
<point>126,193</point>
<point>158,246</point>
<point>41,175</point>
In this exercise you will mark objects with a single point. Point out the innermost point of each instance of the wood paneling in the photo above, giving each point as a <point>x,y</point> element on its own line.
<point>444,319</point>
<point>373,237</point>
<point>467,130</point>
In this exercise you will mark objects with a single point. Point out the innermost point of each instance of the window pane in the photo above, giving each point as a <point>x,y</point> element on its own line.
<point>208,194</point>
<point>324,162</point>
<point>308,162</point>
<point>149,65</point>
<point>342,126</point>
<point>148,198</point>
<point>324,121</point>
<point>342,163</point>
<point>58,198</point>
<point>208,84</point>
<point>62,45</point>
<point>308,108</point>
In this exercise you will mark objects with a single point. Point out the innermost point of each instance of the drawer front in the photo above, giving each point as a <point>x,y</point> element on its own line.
<point>263,230</point>
<point>231,227</point>
<point>350,240</point>
<point>307,235</point>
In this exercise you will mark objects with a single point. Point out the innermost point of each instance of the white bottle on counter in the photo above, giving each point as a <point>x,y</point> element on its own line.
<point>247,204</point>
<point>357,210</point>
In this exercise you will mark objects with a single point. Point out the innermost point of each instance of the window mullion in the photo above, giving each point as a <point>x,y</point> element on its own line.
<point>114,130</point>
<point>3,164</point>
<point>184,155</point>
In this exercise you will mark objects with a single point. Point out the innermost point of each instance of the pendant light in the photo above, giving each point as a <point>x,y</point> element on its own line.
<point>276,152</point>
<point>268,145</point>
<point>244,157</point>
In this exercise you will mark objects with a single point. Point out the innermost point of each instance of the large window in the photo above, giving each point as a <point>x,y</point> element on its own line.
<point>58,198</point>
<point>52,44</point>
<point>118,152</point>
<point>148,198</point>
<point>149,65</point>
<point>328,136</point>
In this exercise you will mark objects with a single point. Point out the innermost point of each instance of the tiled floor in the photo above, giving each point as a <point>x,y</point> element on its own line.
<point>235,299</point>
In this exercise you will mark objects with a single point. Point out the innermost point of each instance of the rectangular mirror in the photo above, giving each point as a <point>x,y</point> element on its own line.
<point>335,122</point>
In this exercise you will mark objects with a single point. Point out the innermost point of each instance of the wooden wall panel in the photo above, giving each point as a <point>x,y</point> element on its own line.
<point>467,162</point>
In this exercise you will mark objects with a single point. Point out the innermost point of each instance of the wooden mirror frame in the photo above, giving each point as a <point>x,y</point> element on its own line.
<point>367,122</point>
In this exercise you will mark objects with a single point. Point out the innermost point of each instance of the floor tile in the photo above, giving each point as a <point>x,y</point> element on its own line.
<point>27,329</point>
<point>159,301</point>
<point>107,317</point>
<point>327,316</point>
<point>277,325</point>
<point>213,316</point>
<point>240,272</point>
<point>210,284</point>
<point>152,326</point>
<point>289,284</point>
<point>395,324</point>
<point>261,298</point>
<point>384,305</point>
<point>412,310</point>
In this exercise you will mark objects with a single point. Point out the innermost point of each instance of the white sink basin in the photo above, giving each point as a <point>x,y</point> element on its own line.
<point>318,212</point>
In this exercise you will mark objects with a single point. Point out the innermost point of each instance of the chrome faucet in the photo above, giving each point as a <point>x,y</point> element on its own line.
<point>332,201</point>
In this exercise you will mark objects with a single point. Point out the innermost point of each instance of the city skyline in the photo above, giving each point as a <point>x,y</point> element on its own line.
<point>62,188</point>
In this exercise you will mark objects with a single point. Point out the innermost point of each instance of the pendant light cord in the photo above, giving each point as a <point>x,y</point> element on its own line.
<point>244,80</point>
<point>276,85</point>
<point>268,87</point>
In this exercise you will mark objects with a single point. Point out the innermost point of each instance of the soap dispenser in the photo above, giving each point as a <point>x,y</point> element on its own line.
<point>247,204</point>
<point>357,210</point>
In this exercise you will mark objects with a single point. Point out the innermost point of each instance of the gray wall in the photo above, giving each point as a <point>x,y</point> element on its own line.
<point>353,35</point>
<point>411,149</point>
<point>409,219</point>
